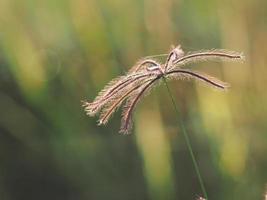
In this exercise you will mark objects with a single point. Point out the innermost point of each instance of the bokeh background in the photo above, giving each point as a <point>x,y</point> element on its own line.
<point>55,53</point>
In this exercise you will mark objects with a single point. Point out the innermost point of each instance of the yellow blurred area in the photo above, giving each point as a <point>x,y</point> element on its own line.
<point>19,48</point>
<point>217,117</point>
<point>27,66</point>
<point>154,146</point>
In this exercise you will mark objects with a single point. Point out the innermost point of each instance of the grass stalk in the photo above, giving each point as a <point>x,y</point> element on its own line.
<point>188,143</point>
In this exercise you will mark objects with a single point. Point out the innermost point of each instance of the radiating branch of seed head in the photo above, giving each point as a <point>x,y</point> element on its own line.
<point>212,81</point>
<point>111,107</point>
<point>174,55</point>
<point>128,109</point>
<point>142,64</point>
<point>111,91</point>
<point>208,55</point>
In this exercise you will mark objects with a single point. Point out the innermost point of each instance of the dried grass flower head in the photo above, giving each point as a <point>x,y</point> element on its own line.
<point>144,75</point>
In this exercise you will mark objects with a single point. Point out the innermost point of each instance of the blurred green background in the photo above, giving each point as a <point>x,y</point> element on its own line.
<point>55,53</point>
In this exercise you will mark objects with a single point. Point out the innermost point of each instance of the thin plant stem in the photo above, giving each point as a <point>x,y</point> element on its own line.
<point>189,146</point>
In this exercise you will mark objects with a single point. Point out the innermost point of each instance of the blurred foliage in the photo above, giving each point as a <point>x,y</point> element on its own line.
<point>55,53</point>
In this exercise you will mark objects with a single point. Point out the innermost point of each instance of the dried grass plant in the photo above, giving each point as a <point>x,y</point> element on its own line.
<point>144,75</point>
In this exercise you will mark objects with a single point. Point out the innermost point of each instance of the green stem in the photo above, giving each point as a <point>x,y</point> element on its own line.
<point>187,141</point>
